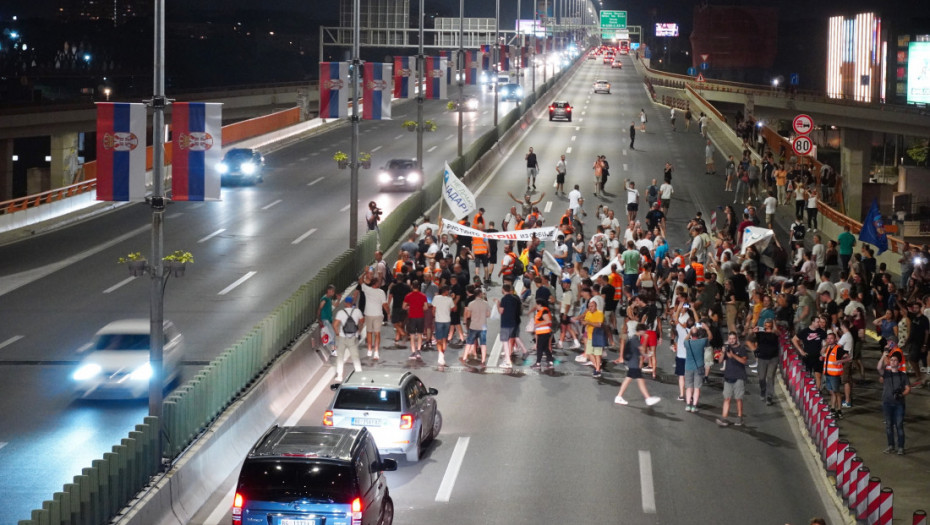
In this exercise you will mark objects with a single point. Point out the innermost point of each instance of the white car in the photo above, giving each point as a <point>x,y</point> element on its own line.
<point>117,364</point>
<point>602,86</point>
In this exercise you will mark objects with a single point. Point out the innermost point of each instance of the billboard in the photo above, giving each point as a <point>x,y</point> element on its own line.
<point>527,27</point>
<point>918,73</point>
<point>666,30</point>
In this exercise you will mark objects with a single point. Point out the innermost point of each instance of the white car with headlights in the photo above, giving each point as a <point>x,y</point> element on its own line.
<point>242,165</point>
<point>116,366</point>
<point>400,174</point>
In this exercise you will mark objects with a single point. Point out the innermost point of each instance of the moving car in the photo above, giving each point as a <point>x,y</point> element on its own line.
<point>496,80</point>
<point>616,64</point>
<point>560,109</point>
<point>400,173</point>
<point>512,92</point>
<point>314,476</point>
<point>469,103</point>
<point>242,165</point>
<point>395,406</point>
<point>117,364</point>
<point>602,86</point>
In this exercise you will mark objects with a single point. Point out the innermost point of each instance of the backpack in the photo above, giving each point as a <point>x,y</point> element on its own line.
<point>518,267</point>
<point>350,327</point>
<point>799,231</point>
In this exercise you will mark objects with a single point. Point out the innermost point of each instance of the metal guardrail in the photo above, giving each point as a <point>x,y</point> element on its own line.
<point>100,492</point>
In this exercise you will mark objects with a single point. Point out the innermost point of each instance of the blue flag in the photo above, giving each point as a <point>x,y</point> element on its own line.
<point>873,230</point>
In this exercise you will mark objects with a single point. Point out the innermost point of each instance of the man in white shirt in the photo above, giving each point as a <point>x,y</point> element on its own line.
<point>826,286</point>
<point>375,309</point>
<point>442,316</point>
<point>770,204</point>
<point>574,197</point>
<point>819,254</point>
<point>347,343</point>
<point>632,200</point>
<point>665,195</point>
<point>560,167</point>
<point>610,222</point>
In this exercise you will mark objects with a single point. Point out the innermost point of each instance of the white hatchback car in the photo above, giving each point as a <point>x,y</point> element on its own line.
<point>602,86</point>
<point>117,364</point>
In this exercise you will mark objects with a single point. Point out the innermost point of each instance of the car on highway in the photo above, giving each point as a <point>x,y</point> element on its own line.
<point>592,55</point>
<point>608,59</point>
<point>242,165</point>
<point>560,109</point>
<point>602,86</point>
<point>496,80</point>
<point>400,174</point>
<point>616,64</point>
<point>512,92</point>
<point>395,406</point>
<point>314,476</point>
<point>469,103</point>
<point>116,365</point>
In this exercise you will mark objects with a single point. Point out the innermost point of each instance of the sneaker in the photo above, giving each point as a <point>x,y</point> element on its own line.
<point>769,401</point>
<point>551,365</point>
<point>687,408</point>
<point>412,356</point>
<point>376,357</point>
<point>588,363</point>
<point>338,379</point>
<point>739,422</point>
<point>723,422</point>
<point>846,405</point>
<point>580,359</point>
<point>558,344</point>
<point>620,401</point>
<point>576,346</point>
<point>651,400</point>
<point>888,450</point>
<point>332,352</point>
<point>506,365</point>
<point>681,398</point>
<point>597,373</point>
<point>442,359</point>
<point>694,409</point>
<point>536,366</point>
<point>418,356</point>
<point>900,451</point>
<point>370,352</point>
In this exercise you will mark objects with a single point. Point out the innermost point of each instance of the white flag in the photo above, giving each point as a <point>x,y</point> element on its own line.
<point>459,198</point>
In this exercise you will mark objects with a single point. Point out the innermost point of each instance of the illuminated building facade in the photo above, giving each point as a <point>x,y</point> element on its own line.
<point>856,58</point>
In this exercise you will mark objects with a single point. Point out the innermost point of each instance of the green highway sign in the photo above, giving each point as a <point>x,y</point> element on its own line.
<point>613,19</point>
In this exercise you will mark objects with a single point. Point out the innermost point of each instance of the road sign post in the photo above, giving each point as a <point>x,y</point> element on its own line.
<point>802,124</point>
<point>802,145</point>
<point>612,22</point>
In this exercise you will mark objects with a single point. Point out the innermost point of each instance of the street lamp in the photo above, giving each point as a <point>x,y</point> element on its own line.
<point>106,92</point>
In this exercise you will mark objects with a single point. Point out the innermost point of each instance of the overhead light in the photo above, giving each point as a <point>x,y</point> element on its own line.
<point>15,158</point>
<point>48,158</point>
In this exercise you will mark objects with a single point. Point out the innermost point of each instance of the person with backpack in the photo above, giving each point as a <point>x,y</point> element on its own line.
<point>346,325</point>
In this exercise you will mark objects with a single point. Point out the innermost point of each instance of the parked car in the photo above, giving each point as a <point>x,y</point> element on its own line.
<point>314,476</point>
<point>400,173</point>
<point>602,86</point>
<point>395,406</point>
<point>117,364</point>
<point>242,165</point>
<point>560,109</point>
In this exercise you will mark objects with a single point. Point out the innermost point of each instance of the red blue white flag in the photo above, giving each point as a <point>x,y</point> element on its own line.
<point>485,57</point>
<point>405,77</point>
<point>120,152</point>
<point>523,51</point>
<point>436,70</point>
<point>505,58</point>
<point>376,91</point>
<point>196,150</point>
<point>471,66</point>
<point>335,89</point>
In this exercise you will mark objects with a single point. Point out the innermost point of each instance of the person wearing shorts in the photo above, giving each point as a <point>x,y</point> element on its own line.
<point>442,317</point>
<point>632,357</point>
<point>734,379</point>
<point>375,307</point>
<point>695,346</point>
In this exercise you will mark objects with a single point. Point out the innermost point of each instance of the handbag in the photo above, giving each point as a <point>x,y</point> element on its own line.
<point>598,337</point>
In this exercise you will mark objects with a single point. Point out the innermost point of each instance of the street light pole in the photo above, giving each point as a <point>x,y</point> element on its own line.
<point>497,45</point>
<point>157,304</point>
<point>421,64</point>
<point>353,164</point>
<point>461,59</point>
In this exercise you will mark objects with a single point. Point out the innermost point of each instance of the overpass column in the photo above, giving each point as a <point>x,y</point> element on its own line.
<point>855,158</point>
<point>64,159</point>
<point>6,169</point>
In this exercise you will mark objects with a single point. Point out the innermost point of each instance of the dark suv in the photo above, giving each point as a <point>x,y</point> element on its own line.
<point>314,476</point>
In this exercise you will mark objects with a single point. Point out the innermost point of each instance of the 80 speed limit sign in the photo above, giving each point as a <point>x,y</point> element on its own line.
<point>802,145</point>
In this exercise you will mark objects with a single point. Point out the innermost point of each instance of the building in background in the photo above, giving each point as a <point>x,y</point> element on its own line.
<point>856,58</point>
<point>116,11</point>
<point>740,43</point>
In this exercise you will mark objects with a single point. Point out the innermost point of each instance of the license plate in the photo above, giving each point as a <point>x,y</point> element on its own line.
<point>366,422</point>
<point>297,522</point>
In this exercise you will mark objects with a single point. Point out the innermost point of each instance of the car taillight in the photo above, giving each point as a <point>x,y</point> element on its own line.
<point>406,421</point>
<point>357,511</point>
<point>328,418</point>
<point>569,108</point>
<point>238,502</point>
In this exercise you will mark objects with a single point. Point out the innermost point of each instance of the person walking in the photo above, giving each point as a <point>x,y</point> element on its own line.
<point>632,134</point>
<point>709,159</point>
<point>560,168</point>
<point>734,379</point>
<point>694,366</point>
<point>731,172</point>
<point>847,242</point>
<point>642,120</point>
<point>442,305</point>
<point>634,372</point>
<point>688,119</point>
<point>765,344</point>
<point>812,209</point>
<point>532,168</point>
<point>543,330</point>
<point>346,325</point>
<point>325,317</point>
<point>376,307</point>
<point>632,200</point>
<point>895,387</point>
<point>671,118</point>
<point>598,174</point>
<point>593,322</point>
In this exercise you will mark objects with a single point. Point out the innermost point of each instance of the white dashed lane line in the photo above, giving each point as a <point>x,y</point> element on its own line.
<point>548,206</point>
<point>239,281</point>
<point>5,344</point>
<point>376,148</point>
<point>311,183</point>
<point>645,482</point>
<point>574,137</point>
<point>304,236</point>
<point>568,150</point>
<point>398,137</point>
<point>345,208</point>
<point>275,203</point>
<point>119,285</point>
<point>431,149</point>
<point>452,470</point>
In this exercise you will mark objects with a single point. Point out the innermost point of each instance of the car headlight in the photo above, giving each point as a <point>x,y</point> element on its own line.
<point>384,177</point>
<point>143,373</point>
<point>222,168</point>
<point>86,372</point>
<point>519,91</point>
<point>249,168</point>
<point>472,104</point>
<point>413,177</point>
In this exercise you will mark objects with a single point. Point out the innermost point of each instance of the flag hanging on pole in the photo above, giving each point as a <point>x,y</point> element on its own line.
<point>120,152</point>
<point>335,89</point>
<point>436,87</point>
<point>485,57</point>
<point>405,77</point>
<point>873,229</point>
<point>505,58</point>
<point>196,150</point>
<point>457,195</point>
<point>376,91</point>
<point>523,50</point>
<point>471,66</point>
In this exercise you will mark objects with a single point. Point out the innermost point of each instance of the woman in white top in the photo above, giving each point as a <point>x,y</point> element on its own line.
<point>646,282</point>
<point>642,120</point>
<point>800,197</point>
<point>812,209</point>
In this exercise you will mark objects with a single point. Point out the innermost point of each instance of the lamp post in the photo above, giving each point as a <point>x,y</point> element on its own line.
<point>461,60</point>
<point>353,161</point>
<point>421,64</point>
<point>520,43</point>
<point>497,44</point>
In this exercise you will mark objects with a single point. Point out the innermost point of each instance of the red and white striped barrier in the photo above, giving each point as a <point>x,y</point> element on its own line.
<point>885,507</point>
<point>875,490</point>
<point>920,518</point>
<point>833,445</point>
<point>858,478</point>
<point>849,481</point>
<point>862,493</point>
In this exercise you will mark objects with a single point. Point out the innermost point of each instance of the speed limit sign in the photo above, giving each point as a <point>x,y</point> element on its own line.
<point>802,145</point>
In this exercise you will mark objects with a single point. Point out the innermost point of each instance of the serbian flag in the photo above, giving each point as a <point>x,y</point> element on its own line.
<point>376,91</point>
<point>335,89</point>
<point>436,71</point>
<point>523,50</point>
<point>405,77</point>
<point>196,150</point>
<point>485,57</point>
<point>120,152</point>
<point>505,58</point>
<point>471,66</point>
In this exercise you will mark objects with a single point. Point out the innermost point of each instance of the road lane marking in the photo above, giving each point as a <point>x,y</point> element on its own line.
<point>398,137</point>
<point>626,167</point>
<point>624,152</point>
<point>583,112</point>
<point>314,182</point>
<point>119,285</point>
<point>574,137</point>
<point>645,482</point>
<point>577,128</point>
<point>174,215</point>
<point>376,148</point>
<point>265,207</point>
<point>452,470</point>
<point>568,149</point>
<point>4,344</point>
<point>548,207</point>
<point>315,153</point>
<point>450,137</point>
<point>239,281</point>
<point>345,208</point>
<point>581,120</point>
<point>431,149</point>
<point>494,358</point>
<point>304,236</point>
<point>3,444</point>
<point>212,235</point>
